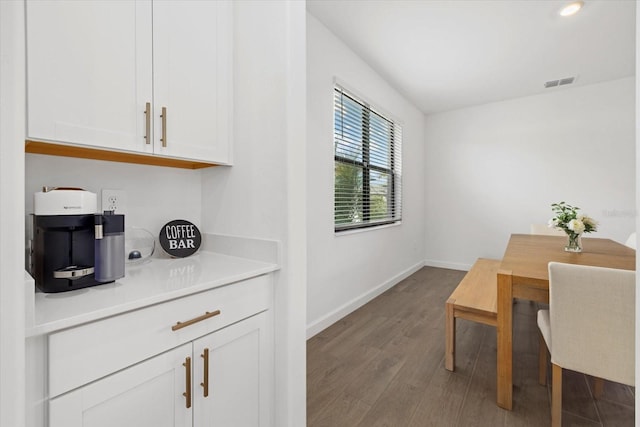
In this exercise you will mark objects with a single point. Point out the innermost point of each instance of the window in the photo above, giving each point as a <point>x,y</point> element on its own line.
<point>368,165</point>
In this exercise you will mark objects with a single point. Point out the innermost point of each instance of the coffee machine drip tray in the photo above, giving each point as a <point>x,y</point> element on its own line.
<point>73,272</point>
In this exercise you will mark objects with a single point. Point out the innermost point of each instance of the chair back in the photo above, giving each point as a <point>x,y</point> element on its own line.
<point>592,316</point>
<point>545,230</point>
<point>631,241</point>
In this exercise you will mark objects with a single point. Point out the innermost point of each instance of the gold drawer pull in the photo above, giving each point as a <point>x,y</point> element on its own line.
<point>187,369</point>
<point>164,126</point>
<point>147,124</point>
<point>207,315</point>
<point>205,382</point>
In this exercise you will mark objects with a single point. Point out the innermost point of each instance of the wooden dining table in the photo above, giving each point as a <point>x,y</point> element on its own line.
<point>524,274</point>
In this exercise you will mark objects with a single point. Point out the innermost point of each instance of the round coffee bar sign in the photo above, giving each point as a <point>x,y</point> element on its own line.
<point>180,238</point>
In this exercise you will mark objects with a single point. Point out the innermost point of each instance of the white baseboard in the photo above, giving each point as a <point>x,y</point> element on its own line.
<point>329,319</point>
<point>445,264</point>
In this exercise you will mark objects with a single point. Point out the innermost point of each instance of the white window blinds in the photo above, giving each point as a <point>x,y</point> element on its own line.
<point>368,165</point>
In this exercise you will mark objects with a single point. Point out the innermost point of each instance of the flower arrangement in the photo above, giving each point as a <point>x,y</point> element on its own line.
<point>568,219</point>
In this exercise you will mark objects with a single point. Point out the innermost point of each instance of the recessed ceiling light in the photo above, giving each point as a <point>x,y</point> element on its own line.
<point>571,8</point>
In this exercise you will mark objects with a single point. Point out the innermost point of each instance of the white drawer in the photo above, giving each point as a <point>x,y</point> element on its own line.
<point>85,353</point>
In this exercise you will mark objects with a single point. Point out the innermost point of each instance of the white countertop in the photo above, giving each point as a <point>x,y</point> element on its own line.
<point>152,282</point>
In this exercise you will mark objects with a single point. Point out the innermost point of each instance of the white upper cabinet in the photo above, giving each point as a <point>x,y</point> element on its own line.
<point>101,73</point>
<point>192,62</point>
<point>89,68</point>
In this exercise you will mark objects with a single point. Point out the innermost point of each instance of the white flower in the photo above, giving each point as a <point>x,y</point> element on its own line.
<point>576,226</point>
<point>588,222</point>
<point>571,220</point>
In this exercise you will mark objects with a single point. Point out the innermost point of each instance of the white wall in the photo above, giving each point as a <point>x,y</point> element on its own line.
<point>154,195</point>
<point>12,125</point>
<point>345,271</point>
<point>637,177</point>
<point>262,195</point>
<point>494,169</point>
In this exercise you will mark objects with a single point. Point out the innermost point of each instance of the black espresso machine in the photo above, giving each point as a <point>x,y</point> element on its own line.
<point>73,246</point>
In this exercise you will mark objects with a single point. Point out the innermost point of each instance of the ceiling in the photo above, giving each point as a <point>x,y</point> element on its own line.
<point>444,55</point>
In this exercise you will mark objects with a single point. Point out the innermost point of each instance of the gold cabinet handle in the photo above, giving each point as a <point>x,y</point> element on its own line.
<point>205,379</point>
<point>147,119</point>
<point>206,315</point>
<point>187,369</point>
<point>164,126</point>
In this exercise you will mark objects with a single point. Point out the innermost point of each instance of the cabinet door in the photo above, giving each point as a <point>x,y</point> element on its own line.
<point>192,62</point>
<point>240,375</point>
<point>89,72</point>
<point>146,394</point>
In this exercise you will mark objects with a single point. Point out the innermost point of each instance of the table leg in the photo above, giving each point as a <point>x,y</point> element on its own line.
<point>505,341</point>
<point>450,336</point>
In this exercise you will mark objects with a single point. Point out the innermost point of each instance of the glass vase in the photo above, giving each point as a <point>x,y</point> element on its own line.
<point>574,243</point>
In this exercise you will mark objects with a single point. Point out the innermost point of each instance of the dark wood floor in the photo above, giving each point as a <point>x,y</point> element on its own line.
<point>383,365</point>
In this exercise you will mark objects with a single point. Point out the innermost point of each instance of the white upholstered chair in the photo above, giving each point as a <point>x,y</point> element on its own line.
<point>545,230</point>
<point>631,241</point>
<point>589,327</point>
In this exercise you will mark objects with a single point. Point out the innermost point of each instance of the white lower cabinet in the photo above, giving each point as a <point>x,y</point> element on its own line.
<point>205,359</point>
<point>222,379</point>
<point>147,394</point>
<point>237,390</point>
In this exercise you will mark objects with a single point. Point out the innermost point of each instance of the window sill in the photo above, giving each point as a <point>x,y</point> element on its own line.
<point>366,229</point>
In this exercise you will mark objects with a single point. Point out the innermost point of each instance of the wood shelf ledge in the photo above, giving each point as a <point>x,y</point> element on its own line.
<point>53,149</point>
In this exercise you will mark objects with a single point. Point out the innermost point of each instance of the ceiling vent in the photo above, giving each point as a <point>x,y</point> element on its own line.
<point>560,82</point>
